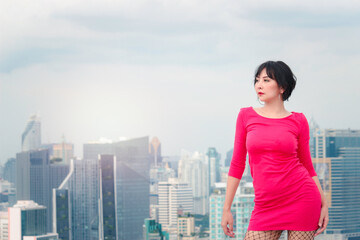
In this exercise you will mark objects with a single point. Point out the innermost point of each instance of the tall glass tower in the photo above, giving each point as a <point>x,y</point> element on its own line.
<point>31,137</point>
<point>132,182</point>
<point>337,164</point>
<point>76,202</point>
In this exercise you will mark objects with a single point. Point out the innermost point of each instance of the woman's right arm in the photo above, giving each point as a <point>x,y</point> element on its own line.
<point>227,218</point>
<point>236,171</point>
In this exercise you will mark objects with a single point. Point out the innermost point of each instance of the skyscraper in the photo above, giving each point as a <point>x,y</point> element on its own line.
<point>214,167</point>
<point>132,182</point>
<point>64,151</point>
<point>36,177</point>
<point>31,137</point>
<point>10,171</point>
<point>108,206</point>
<point>194,170</point>
<point>27,218</point>
<point>174,197</point>
<point>338,165</point>
<point>228,157</point>
<point>155,152</point>
<point>76,202</point>
<point>241,209</point>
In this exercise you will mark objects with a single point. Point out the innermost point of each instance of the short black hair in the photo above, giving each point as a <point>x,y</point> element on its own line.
<point>281,73</point>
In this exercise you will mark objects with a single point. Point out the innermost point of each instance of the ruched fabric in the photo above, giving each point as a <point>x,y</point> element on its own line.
<point>286,196</point>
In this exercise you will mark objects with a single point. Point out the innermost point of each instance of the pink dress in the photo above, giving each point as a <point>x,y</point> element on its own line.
<point>286,196</point>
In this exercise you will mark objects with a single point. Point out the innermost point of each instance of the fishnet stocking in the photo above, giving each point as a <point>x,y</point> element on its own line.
<point>302,235</point>
<point>275,235</point>
<point>263,235</point>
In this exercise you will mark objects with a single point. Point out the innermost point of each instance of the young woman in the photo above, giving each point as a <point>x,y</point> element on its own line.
<point>288,195</point>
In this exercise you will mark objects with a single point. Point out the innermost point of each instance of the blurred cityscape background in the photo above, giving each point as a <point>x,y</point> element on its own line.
<point>117,118</point>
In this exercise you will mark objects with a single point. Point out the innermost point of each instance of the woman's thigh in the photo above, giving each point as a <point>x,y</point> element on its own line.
<point>263,235</point>
<point>301,235</point>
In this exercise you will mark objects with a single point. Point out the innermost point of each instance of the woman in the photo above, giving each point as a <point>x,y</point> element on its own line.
<point>288,195</point>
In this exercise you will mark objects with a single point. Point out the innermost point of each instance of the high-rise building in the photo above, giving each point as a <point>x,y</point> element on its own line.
<point>327,142</point>
<point>10,171</point>
<point>228,158</point>
<point>60,152</point>
<point>213,159</point>
<point>4,223</point>
<point>36,177</point>
<point>108,205</point>
<point>336,161</point>
<point>155,152</point>
<point>132,182</point>
<point>64,151</point>
<point>158,174</point>
<point>27,220</point>
<point>246,177</point>
<point>174,197</point>
<point>313,127</point>
<point>62,213</point>
<point>241,209</point>
<point>186,227</point>
<point>76,201</point>
<point>7,192</point>
<point>31,137</point>
<point>194,170</point>
<point>153,231</point>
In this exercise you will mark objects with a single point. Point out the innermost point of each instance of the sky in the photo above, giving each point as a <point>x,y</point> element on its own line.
<point>177,70</point>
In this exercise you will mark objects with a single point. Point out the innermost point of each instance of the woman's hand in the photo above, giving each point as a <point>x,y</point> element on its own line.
<point>324,219</point>
<point>227,218</point>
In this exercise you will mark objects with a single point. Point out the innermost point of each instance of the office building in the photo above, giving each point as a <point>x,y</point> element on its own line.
<point>108,205</point>
<point>132,182</point>
<point>186,227</point>
<point>155,152</point>
<point>241,209</point>
<point>159,174</point>
<point>174,197</point>
<point>36,177</point>
<point>213,159</point>
<point>339,180</point>
<point>153,231</point>
<point>336,159</point>
<point>228,158</point>
<point>27,220</point>
<point>31,137</point>
<point>4,225</point>
<point>76,215</point>
<point>194,170</point>
<point>10,171</point>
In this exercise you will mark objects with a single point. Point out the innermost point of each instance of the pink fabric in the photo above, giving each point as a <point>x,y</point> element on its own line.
<point>286,197</point>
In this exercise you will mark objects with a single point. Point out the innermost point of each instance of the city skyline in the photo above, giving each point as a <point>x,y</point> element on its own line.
<point>179,71</point>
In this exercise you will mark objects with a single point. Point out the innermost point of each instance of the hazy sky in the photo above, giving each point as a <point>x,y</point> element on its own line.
<point>178,70</point>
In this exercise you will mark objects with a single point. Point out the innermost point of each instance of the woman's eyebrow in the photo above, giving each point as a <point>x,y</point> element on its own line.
<point>263,77</point>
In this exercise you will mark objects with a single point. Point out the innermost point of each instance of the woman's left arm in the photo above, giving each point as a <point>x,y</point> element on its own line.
<point>324,216</point>
<point>305,158</point>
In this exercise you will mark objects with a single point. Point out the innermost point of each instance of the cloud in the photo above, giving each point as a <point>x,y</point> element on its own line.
<point>177,69</point>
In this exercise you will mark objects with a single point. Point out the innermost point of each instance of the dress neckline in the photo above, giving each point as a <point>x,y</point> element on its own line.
<point>292,113</point>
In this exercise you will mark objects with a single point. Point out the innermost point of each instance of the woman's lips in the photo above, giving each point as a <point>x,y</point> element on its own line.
<point>260,93</point>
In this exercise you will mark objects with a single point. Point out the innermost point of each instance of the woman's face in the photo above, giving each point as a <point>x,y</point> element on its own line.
<point>269,87</point>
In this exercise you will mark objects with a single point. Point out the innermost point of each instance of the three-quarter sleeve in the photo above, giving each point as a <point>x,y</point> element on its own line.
<point>304,147</point>
<point>237,165</point>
